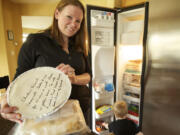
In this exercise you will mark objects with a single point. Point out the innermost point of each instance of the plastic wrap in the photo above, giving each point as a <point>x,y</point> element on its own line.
<point>68,120</point>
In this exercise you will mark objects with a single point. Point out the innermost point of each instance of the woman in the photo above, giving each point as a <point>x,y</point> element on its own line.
<point>61,46</point>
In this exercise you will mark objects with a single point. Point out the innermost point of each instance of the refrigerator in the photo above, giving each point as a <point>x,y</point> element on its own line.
<point>117,39</point>
<point>161,109</point>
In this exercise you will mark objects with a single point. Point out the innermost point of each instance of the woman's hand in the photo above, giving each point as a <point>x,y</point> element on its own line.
<point>8,112</point>
<point>68,70</point>
<point>72,77</point>
<point>81,79</point>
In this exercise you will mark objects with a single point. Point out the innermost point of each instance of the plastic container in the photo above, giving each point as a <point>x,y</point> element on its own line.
<point>109,87</point>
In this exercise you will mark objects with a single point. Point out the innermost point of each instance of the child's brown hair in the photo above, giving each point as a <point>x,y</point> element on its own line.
<point>120,109</point>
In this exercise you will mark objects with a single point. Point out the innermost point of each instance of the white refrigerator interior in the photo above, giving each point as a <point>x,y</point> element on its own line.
<point>125,57</point>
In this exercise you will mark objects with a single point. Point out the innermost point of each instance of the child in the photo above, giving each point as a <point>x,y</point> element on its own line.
<point>122,126</point>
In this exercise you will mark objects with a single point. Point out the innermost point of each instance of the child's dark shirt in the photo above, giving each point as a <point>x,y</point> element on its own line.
<point>123,127</point>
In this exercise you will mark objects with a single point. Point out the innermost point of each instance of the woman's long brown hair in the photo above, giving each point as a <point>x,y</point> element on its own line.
<point>80,37</point>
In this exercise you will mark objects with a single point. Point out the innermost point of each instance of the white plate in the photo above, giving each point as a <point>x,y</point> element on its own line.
<point>39,92</point>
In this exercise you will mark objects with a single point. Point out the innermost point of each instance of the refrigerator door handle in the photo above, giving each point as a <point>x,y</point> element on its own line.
<point>147,67</point>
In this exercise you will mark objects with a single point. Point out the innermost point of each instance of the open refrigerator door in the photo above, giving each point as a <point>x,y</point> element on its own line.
<point>130,59</point>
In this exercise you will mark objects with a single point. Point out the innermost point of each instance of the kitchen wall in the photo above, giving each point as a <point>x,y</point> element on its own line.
<point>4,69</point>
<point>127,3</point>
<point>11,21</point>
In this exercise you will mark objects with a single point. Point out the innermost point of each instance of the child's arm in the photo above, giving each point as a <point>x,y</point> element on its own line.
<point>139,133</point>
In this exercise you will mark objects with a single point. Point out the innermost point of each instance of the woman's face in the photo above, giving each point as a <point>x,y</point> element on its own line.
<point>69,20</point>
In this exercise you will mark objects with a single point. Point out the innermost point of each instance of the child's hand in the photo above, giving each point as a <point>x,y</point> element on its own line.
<point>105,125</point>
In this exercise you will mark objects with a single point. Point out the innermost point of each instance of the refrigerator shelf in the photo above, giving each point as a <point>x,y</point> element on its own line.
<point>134,86</point>
<point>107,114</point>
<point>129,98</point>
<point>104,94</point>
<point>135,90</point>
<point>132,72</point>
<point>135,72</point>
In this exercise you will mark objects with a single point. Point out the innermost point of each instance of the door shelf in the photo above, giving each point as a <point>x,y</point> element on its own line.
<point>106,114</point>
<point>129,98</point>
<point>104,94</point>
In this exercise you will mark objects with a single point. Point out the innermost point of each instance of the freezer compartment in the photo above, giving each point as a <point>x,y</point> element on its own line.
<point>103,84</point>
